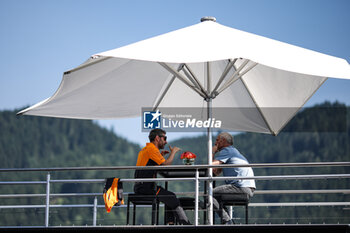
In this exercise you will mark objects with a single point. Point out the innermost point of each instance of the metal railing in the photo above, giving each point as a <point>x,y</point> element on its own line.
<point>47,195</point>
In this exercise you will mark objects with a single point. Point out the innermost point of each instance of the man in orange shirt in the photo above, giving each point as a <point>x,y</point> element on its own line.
<point>150,155</point>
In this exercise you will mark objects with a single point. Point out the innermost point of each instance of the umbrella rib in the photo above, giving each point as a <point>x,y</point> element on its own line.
<point>193,78</point>
<point>237,75</point>
<point>166,89</point>
<point>233,77</point>
<point>182,78</point>
<point>88,64</point>
<point>188,75</point>
<point>223,76</point>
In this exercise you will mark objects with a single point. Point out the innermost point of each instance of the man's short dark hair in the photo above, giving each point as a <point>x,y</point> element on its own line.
<point>155,132</point>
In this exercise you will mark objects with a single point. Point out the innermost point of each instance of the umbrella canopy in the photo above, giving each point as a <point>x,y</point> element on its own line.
<point>184,68</point>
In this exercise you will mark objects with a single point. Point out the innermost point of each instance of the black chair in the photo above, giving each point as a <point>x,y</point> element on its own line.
<point>138,199</point>
<point>234,200</point>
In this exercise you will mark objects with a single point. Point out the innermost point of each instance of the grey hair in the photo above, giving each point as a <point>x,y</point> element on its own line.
<point>228,137</point>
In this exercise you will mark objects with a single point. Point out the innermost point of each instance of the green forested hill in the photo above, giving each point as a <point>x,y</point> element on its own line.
<point>34,142</point>
<point>28,141</point>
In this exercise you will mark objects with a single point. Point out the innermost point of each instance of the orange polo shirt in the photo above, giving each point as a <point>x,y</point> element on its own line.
<point>148,156</point>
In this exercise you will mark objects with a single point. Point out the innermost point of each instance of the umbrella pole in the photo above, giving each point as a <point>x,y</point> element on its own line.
<point>210,170</point>
<point>210,149</point>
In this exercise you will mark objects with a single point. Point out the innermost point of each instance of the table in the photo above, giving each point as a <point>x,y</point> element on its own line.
<point>182,173</point>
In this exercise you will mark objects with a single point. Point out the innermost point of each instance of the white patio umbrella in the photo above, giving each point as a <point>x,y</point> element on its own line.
<point>206,63</point>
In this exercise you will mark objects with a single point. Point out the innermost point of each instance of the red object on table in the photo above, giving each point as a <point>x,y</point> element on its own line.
<point>188,155</point>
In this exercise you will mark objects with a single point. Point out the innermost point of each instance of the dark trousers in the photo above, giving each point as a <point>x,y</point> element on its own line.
<point>168,198</point>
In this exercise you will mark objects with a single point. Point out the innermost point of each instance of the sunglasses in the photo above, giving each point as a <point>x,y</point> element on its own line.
<point>163,136</point>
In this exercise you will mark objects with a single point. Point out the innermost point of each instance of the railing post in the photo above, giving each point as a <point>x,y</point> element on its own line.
<point>95,212</point>
<point>196,198</point>
<point>47,209</point>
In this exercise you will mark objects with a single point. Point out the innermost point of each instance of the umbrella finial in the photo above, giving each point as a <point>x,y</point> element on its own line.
<point>208,18</point>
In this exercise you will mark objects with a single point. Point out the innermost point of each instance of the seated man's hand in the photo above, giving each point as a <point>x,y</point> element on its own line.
<point>164,152</point>
<point>217,171</point>
<point>215,149</point>
<point>174,149</point>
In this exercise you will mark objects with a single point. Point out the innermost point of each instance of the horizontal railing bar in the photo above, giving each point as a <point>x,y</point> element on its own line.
<point>43,206</point>
<point>75,194</point>
<point>72,206</point>
<point>51,195</point>
<point>65,206</point>
<point>21,182</point>
<point>56,206</point>
<point>92,181</point>
<point>122,180</point>
<point>265,204</point>
<point>79,181</point>
<point>21,206</point>
<point>314,191</point>
<point>98,206</point>
<point>257,192</point>
<point>299,204</point>
<point>21,195</point>
<point>71,194</point>
<point>281,177</point>
<point>257,165</point>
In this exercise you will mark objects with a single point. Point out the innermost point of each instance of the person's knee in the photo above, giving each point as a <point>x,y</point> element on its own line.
<point>169,199</point>
<point>174,202</point>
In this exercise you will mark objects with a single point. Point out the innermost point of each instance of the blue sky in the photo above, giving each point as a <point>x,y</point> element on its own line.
<point>40,39</point>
